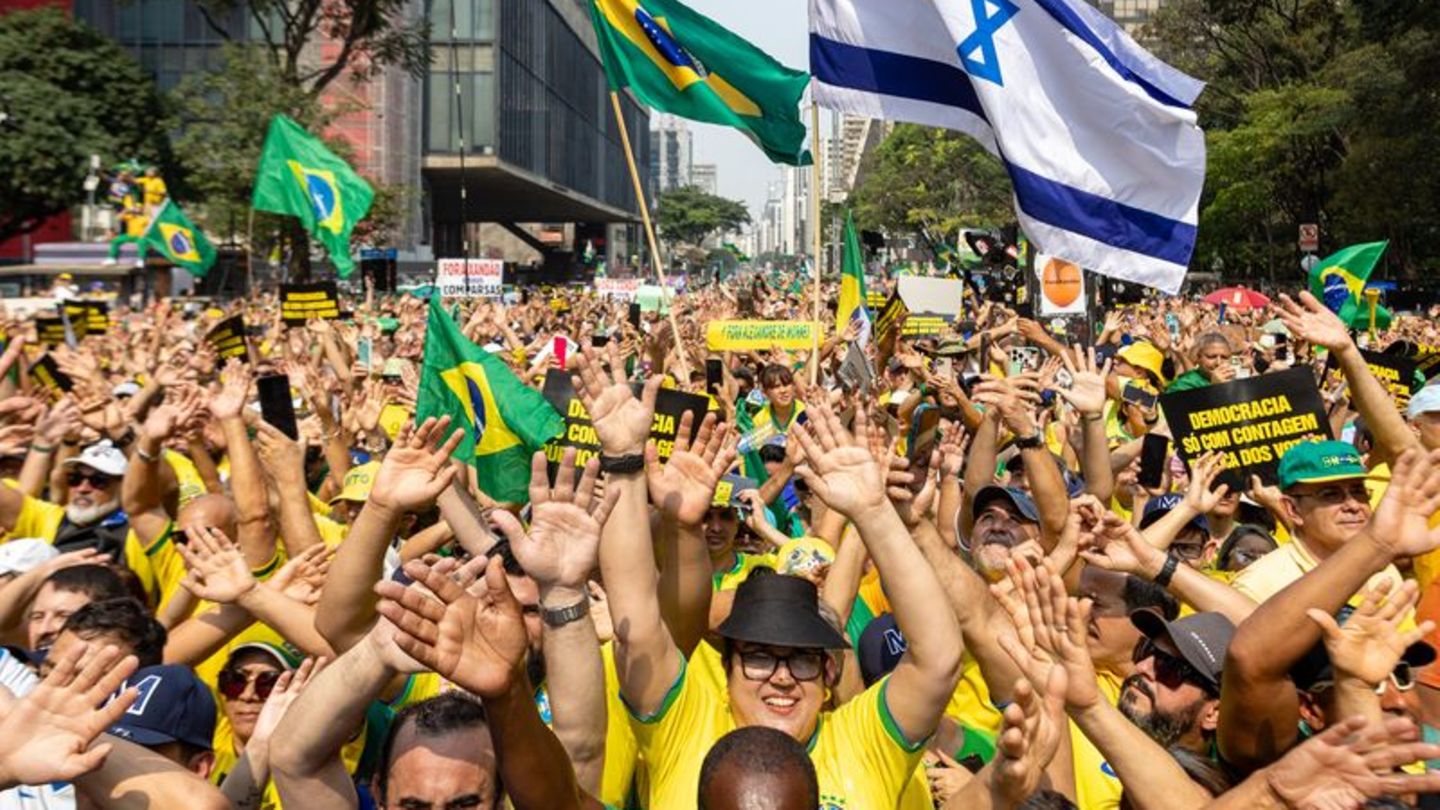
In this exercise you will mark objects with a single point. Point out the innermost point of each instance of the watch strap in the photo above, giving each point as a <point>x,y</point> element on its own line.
<point>634,462</point>
<point>1167,571</point>
<point>559,617</point>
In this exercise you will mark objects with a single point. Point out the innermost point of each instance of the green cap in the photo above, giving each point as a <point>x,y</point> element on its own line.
<point>1319,463</point>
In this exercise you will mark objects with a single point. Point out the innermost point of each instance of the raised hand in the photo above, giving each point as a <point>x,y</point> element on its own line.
<point>839,467</point>
<point>1051,630</point>
<point>562,548</point>
<point>417,468</point>
<point>287,690</point>
<point>1351,762</point>
<point>1016,398</point>
<point>1309,320</point>
<point>621,421</point>
<point>1116,545</point>
<point>169,416</point>
<point>302,577</point>
<point>1087,389</point>
<point>1030,738</point>
<point>1400,525</point>
<point>1370,643</point>
<point>684,486</point>
<point>47,736</point>
<point>63,419</point>
<point>280,455</point>
<point>217,570</point>
<point>1203,472</point>
<point>475,638</point>
<point>235,381</point>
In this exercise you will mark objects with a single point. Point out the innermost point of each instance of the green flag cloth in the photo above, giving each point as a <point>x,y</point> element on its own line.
<point>681,62</point>
<point>852,283</point>
<point>299,176</point>
<point>505,421</point>
<point>1339,279</point>
<point>176,237</point>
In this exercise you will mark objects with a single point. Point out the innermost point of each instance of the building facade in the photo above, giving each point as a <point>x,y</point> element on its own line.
<point>671,154</point>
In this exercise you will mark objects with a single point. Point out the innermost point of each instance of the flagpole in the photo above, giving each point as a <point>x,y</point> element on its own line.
<point>649,231</point>
<point>815,225</point>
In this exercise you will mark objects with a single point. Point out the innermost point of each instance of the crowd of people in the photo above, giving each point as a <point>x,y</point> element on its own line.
<point>988,609</point>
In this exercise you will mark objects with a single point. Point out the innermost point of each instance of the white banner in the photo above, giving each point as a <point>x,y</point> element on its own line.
<point>481,278</point>
<point>621,288</point>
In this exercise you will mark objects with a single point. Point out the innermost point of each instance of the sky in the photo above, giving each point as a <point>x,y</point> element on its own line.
<point>781,29</point>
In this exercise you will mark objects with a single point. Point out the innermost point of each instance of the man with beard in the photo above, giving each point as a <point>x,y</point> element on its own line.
<point>90,516</point>
<point>1174,693</point>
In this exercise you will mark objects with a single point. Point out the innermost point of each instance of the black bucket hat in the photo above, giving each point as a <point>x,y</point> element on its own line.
<point>782,611</point>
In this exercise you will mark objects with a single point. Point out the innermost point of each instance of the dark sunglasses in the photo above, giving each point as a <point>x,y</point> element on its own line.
<point>759,665</point>
<point>1170,670</point>
<point>97,480</point>
<point>232,683</point>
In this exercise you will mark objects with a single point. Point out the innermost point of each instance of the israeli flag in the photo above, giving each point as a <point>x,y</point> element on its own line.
<point>1098,136</point>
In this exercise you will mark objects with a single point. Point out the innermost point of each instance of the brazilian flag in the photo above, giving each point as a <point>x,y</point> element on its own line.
<point>299,176</point>
<point>1339,281</point>
<point>681,62</point>
<point>505,421</point>
<point>176,237</point>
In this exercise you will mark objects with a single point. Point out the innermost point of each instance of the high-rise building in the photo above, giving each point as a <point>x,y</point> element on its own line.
<point>670,154</point>
<point>1130,14</point>
<point>705,176</point>
<point>530,135</point>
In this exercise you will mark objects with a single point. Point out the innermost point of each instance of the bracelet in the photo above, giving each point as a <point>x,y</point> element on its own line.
<point>559,617</point>
<point>1091,417</point>
<point>1167,571</point>
<point>146,457</point>
<point>1030,442</point>
<point>42,449</point>
<point>620,465</point>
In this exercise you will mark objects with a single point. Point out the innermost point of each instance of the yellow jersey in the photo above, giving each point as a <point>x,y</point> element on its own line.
<point>1096,785</point>
<point>744,564</point>
<point>861,757</point>
<point>153,190</point>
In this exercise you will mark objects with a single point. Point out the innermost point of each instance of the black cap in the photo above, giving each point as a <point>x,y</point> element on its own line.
<point>780,610</point>
<point>1201,639</point>
<point>881,646</point>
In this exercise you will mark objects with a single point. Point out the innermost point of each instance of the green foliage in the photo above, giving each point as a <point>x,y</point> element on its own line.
<point>72,93</point>
<point>931,182</point>
<point>688,215</point>
<point>1315,111</point>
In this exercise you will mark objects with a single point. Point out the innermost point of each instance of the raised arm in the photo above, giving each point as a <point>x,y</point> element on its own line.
<point>256,535</point>
<point>284,461</point>
<point>847,478</point>
<point>1366,649</point>
<point>1086,395</point>
<point>245,785</point>
<point>414,473</point>
<point>646,656</point>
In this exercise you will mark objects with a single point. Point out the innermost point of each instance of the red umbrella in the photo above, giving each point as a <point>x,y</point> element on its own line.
<point>1237,298</point>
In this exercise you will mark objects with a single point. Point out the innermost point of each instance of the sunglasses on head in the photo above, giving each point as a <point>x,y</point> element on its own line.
<point>96,479</point>
<point>232,683</point>
<point>1171,671</point>
<point>1402,679</point>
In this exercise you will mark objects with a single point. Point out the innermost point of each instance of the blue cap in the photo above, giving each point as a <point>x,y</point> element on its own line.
<point>1018,498</point>
<point>1161,506</point>
<point>880,648</point>
<point>1426,400</point>
<point>174,705</point>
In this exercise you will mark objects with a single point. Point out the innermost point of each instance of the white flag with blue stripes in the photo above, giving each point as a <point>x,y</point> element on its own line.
<point>1097,135</point>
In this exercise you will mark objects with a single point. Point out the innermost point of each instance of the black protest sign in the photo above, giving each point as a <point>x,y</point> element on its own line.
<point>1425,356</point>
<point>50,331</point>
<point>1395,372</point>
<point>302,302</point>
<point>893,311</point>
<point>228,339</point>
<point>580,434</point>
<point>96,315</point>
<point>1251,422</point>
<point>47,373</point>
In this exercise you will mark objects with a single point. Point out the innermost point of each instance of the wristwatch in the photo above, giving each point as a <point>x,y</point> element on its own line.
<point>559,617</point>
<point>634,462</point>
<point>1167,571</point>
<point>1030,442</point>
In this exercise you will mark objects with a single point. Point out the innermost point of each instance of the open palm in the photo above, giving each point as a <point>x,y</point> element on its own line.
<point>417,468</point>
<point>1401,522</point>
<point>684,487</point>
<point>621,421</point>
<point>841,469</point>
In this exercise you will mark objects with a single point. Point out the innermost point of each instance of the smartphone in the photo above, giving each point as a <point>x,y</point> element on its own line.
<point>984,353</point>
<point>276,406</point>
<point>1016,364</point>
<point>599,339</point>
<point>1138,395</point>
<point>714,375</point>
<point>363,350</point>
<point>924,432</point>
<point>560,346</point>
<point>1172,323</point>
<point>1153,451</point>
<point>634,314</point>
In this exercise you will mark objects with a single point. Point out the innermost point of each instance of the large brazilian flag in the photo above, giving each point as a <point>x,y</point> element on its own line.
<point>1339,281</point>
<point>681,62</point>
<point>852,285</point>
<point>505,421</point>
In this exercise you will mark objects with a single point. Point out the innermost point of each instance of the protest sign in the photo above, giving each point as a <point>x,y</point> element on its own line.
<point>1395,372</point>
<point>47,372</point>
<point>731,336</point>
<point>654,299</point>
<point>1061,285</point>
<point>855,372</point>
<point>51,331</point>
<point>1426,356</point>
<point>302,302</point>
<point>1252,422</point>
<point>623,289</point>
<point>470,278</point>
<point>874,298</point>
<point>579,433</point>
<point>97,317</point>
<point>228,339</point>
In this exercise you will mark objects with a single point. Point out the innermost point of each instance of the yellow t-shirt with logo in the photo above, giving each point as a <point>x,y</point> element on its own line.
<point>154,190</point>
<point>1271,573</point>
<point>744,564</point>
<point>187,476</point>
<point>861,757</point>
<point>1096,785</point>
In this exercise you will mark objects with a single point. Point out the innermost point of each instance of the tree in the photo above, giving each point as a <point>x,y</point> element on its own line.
<point>688,215</point>
<point>71,93</point>
<point>931,182</point>
<point>361,36</point>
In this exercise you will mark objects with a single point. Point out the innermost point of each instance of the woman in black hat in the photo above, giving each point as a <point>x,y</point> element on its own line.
<point>778,667</point>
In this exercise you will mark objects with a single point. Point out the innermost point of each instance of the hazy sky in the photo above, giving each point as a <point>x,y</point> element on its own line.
<point>781,29</point>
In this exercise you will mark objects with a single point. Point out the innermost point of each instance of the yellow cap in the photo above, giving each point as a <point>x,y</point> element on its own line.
<point>803,554</point>
<point>1146,356</point>
<point>358,483</point>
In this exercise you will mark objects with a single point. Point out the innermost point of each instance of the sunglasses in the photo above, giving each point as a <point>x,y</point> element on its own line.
<point>1402,679</point>
<point>232,683</point>
<point>1171,671</point>
<point>759,665</point>
<point>97,480</point>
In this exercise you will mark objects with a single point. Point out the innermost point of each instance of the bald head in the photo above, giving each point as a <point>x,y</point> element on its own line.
<point>214,511</point>
<point>758,768</point>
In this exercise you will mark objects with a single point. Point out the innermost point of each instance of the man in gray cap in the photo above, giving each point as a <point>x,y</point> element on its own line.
<point>1174,694</point>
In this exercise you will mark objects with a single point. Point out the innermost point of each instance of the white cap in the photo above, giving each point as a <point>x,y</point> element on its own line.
<point>1426,400</point>
<point>103,456</point>
<point>129,388</point>
<point>25,554</point>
